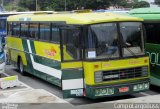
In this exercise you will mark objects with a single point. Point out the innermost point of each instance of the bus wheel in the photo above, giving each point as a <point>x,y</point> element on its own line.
<point>21,66</point>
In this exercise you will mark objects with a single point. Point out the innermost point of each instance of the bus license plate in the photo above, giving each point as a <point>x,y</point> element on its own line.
<point>124,89</point>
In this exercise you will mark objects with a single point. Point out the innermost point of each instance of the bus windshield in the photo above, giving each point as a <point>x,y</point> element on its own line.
<point>103,40</point>
<point>131,33</point>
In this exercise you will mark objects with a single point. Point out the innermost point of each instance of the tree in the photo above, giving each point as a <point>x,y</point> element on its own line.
<point>141,4</point>
<point>30,4</point>
<point>157,2</point>
<point>59,5</point>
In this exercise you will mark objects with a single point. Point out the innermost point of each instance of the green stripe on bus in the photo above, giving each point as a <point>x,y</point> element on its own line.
<point>71,74</point>
<point>49,78</point>
<point>29,67</point>
<point>32,46</point>
<point>48,62</point>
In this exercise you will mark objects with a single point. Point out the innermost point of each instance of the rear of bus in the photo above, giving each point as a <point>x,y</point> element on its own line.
<point>111,55</point>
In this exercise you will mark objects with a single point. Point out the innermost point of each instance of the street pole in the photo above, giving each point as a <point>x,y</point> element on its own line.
<point>36,5</point>
<point>65,3</point>
<point>2,4</point>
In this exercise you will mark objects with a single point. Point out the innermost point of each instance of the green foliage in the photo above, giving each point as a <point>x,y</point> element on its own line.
<point>59,5</point>
<point>157,2</point>
<point>30,4</point>
<point>10,7</point>
<point>141,4</point>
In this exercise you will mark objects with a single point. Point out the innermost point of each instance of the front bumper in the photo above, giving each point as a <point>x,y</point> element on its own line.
<point>94,92</point>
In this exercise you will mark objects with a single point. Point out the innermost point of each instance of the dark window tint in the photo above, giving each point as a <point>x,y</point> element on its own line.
<point>24,29</point>
<point>71,44</point>
<point>2,25</point>
<point>33,30</point>
<point>132,38</point>
<point>102,41</point>
<point>55,34</point>
<point>153,32</point>
<point>15,29</point>
<point>9,28</point>
<point>45,31</point>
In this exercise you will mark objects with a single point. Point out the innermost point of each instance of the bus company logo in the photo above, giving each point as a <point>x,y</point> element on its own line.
<point>50,52</point>
<point>134,62</point>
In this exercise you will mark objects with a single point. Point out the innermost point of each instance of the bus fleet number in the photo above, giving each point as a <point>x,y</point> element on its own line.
<point>154,58</point>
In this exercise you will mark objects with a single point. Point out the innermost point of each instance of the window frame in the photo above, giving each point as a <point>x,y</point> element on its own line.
<point>120,44</point>
<point>27,30</point>
<point>67,27</point>
<point>39,29</point>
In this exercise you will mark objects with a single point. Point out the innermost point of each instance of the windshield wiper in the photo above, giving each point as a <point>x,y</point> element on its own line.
<point>132,53</point>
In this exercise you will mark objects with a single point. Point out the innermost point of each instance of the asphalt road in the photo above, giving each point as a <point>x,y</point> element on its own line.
<point>37,83</point>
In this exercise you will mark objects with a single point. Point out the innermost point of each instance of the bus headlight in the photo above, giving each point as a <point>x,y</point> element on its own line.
<point>145,71</point>
<point>98,76</point>
<point>146,85</point>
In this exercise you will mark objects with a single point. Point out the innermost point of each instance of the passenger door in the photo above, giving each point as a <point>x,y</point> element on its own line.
<point>72,71</point>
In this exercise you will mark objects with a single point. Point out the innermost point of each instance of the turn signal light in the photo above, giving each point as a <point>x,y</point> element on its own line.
<point>145,61</point>
<point>96,66</point>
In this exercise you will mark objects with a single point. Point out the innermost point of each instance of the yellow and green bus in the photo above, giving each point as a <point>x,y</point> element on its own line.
<point>86,53</point>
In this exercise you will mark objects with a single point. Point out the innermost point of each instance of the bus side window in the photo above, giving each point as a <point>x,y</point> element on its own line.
<point>71,44</point>
<point>153,32</point>
<point>9,28</point>
<point>45,31</point>
<point>33,30</point>
<point>2,24</point>
<point>55,37</point>
<point>16,29</point>
<point>24,29</point>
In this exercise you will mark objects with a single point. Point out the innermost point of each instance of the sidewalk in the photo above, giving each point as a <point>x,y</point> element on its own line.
<point>25,97</point>
<point>29,95</point>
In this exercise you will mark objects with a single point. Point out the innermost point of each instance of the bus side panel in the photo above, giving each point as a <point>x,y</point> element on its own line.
<point>36,64</point>
<point>72,79</point>
<point>15,49</point>
<point>44,65</point>
<point>154,54</point>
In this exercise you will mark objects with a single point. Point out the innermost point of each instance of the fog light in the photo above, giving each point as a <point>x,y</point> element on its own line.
<point>146,86</point>
<point>135,87</point>
<point>140,86</point>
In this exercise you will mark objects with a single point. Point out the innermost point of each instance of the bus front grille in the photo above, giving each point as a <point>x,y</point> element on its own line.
<point>120,74</point>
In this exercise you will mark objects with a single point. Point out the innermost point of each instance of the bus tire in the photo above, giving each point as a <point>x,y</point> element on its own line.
<point>21,66</point>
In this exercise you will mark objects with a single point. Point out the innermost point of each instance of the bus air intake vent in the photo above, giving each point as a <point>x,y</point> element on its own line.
<point>121,74</point>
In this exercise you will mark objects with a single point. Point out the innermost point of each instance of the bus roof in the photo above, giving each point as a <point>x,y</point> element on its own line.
<point>6,14</point>
<point>74,18</point>
<point>152,13</point>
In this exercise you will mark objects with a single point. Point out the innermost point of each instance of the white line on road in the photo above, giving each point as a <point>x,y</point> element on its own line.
<point>143,93</point>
